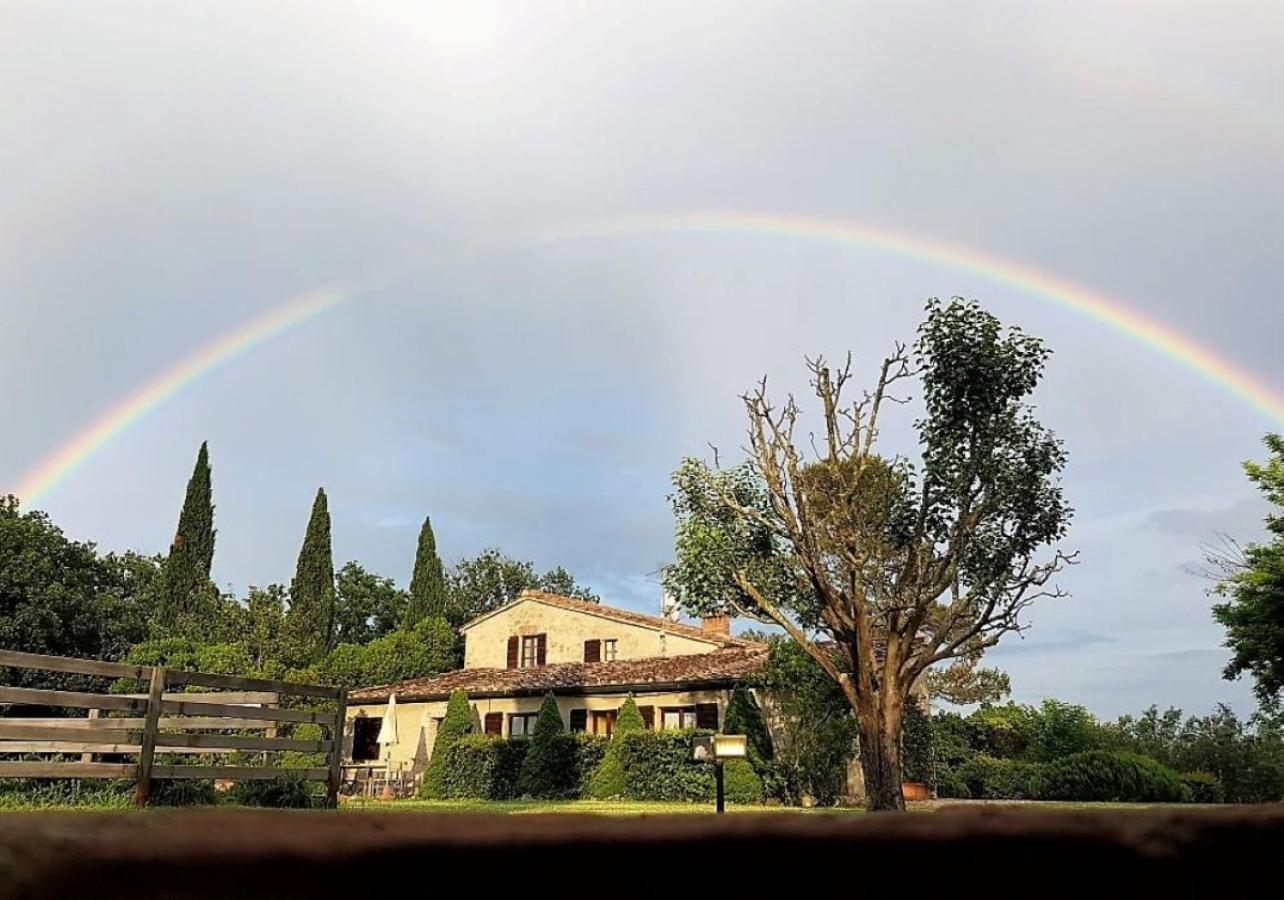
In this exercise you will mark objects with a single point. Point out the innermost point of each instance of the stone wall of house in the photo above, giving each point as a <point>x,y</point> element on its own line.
<point>486,642</point>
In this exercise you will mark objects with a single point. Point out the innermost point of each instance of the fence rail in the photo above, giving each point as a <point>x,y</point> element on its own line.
<point>166,722</point>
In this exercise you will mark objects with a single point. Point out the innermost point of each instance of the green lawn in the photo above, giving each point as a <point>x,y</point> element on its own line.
<point>592,807</point>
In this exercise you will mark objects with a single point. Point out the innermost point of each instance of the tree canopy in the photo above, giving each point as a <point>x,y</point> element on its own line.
<point>309,622</point>
<point>428,595</point>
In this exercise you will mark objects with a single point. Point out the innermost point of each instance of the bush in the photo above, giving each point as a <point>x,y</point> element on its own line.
<point>1105,775</point>
<point>740,782</point>
<point>950,784</point>
<point>182,792</point>
<point>916,745</point>
<point>287,792</point>
<point>590,752</point>
<point>1204,788</point>
<point>457,722</point>
<point>549,769</point>
<point>658,766</point>
<point>607,781</point>
<point>483,766</point>
<point>987,778</point>
<point>744,716</point>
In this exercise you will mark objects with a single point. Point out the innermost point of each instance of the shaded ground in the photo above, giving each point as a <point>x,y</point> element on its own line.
<point>999,852</point>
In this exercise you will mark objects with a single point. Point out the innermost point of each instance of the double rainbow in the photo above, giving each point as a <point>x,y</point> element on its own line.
<point>1112,313</point>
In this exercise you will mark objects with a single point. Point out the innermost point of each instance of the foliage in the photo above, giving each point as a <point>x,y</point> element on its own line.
<point>916,745</point>
<point>489,580</point>
<point>658,765</point>
<point>1104,775</point>
<point>963,684</point>
<point>367,606</point>
<point>427,648</point>
<point>590,752</point>
<point>935,562</point>
<point>951,785</point>
<point>1253,611</point>
<point>740,782</point>
<point>744,716</point>
<point>483,766</point>
<point>289,791</point>
<point>428,596</point>
<point>988,778</point>
<point>309,622</point>
<point>182,792</point>
<point>186,590</point>
<point>35,793</point>
<point>814,733</point>
<point>1204,788</point>
<point>548,771</point>
<point>57,596</point>
<point>457,722</point>
<point>607,781</point>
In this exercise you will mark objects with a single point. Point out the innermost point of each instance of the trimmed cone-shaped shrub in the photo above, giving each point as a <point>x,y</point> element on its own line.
<point>740,782</point>
<point>457,722</point>
<point>548,771</point>
<point>744,716</point>
<point>608,779</point>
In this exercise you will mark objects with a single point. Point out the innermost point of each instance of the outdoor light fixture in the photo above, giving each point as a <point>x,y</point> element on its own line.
<point>717,749</point>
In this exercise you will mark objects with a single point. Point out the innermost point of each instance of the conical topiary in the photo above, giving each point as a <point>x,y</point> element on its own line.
<point>548,771</point>
<point>608,779</point>
<point>457,722</point>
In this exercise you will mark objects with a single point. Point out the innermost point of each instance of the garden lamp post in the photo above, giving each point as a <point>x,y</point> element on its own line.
<point>717,749</point>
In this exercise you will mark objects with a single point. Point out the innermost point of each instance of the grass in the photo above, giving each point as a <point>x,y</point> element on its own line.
<point>591,807</point>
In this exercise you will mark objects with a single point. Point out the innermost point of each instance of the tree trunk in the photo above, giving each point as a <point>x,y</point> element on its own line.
<point>879,724</point>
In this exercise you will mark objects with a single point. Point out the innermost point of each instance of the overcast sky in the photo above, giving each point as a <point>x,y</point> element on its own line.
<point>169,171</point>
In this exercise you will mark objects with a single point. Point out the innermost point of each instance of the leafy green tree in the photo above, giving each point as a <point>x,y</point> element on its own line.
<point>548,771</point>
<point>367,606</point>
<point>814,735</point>
<point>457,722</point>
<point>57,596</point>
<point>487,581</point>
<point>1253,612</point>
<point>309,623</point>
<point>883,567</point>
<point>427,648</point>
<point>188,592</point>
<point>428,594</point>
<point>559,581</point>
<point>744,716</point>
<point>963,684</point>
<point>265,624</point>
<point>607,780</point>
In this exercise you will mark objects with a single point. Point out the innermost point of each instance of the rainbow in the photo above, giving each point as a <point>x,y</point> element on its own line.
<point>1109,312</point>
<point>226,347</point>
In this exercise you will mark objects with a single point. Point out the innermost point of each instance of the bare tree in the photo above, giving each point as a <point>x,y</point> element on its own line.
<point>878,567</point>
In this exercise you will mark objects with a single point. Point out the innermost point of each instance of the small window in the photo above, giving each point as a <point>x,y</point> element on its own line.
<point>530,651</point>
<point>604,722</point>
<point>678,718</point>
<point>608,650</point>
<point>365,738</point>
<point>521,724</point>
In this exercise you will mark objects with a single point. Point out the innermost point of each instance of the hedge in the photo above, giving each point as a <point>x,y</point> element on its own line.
<point>1204,788</point>
<point>482,766</point>
<point>988,778</point>
<point>1104,775</point>
<point>658,765</point>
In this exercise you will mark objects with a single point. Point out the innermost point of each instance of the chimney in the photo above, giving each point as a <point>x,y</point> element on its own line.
<point>716,624</point>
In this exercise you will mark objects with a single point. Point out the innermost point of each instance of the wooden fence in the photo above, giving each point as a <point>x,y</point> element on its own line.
<point>164,722</point>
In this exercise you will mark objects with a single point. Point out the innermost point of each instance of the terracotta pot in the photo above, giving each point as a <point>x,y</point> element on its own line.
<point>915,790</point>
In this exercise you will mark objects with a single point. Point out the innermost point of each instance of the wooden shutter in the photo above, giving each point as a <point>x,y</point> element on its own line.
<point>512,652</point>
<point>579,720</point>
<point>648,715</point>
<point>592,651</point>
<point>494,723</point>
<point>541,649</point>
<point>707,716</point>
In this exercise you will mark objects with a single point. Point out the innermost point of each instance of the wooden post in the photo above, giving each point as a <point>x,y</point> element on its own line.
<point>151,724</point>
<point>336,750</point>
<point>89,757</point>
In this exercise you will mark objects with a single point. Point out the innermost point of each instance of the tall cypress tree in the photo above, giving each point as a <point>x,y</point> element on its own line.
<point>428,583</point>
<point>310,621</point>
<point>186,572</point>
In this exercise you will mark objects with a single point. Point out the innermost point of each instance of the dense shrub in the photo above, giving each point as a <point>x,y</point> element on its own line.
<point>483,766</point>
<point>607,780</point>
<point>1104,775</point>
<point>744,716</point>
<point>950,784</point>
<point>988,778</point>
<point>549,769</point>
<point>590,752</point>
<point>658,766</point>
<point>182,792</point>
<point>1204,788</point>
<point>287,792</point>
<point>457,722</point>
<point>917,758</point>
<point>741,783</point>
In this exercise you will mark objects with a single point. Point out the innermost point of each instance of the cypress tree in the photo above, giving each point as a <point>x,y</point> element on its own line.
<point>548,771</point>
<point>186,572</point>
<point>428,583</point>
<point>457,722</point>
<point>310,619</point>
<point>744,716</point>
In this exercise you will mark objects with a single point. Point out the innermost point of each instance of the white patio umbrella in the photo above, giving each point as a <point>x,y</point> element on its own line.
<point>388,737</point>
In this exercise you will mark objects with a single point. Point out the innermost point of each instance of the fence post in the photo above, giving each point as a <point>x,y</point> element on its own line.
<point>155,697</point>
<point>336,750</point>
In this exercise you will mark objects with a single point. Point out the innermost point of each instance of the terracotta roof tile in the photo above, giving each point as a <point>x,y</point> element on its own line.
<point>724,666</point>
<point>622,615</point>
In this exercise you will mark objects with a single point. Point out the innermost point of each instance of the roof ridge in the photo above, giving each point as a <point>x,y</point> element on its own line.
<point>622,614</point>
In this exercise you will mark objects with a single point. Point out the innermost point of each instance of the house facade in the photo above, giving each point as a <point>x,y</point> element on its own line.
<point>589,656</point>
